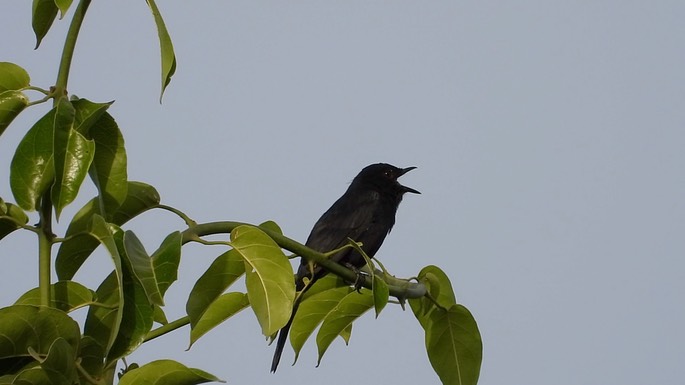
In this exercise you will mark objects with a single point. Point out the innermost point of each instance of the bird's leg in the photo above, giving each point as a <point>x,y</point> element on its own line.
<point>359,280</point>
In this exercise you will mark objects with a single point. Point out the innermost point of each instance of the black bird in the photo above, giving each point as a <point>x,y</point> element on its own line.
<point>365,213</point>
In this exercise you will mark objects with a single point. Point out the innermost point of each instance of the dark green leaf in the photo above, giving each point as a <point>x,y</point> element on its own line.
<point>351,307</point>
<point>311,312</point>
<point>11,216</point>
<point>137,313</point>
<point>61,362</point>
<point>166,260</point>
<point>74,251</point>
<point>35,327</point>
<point>86,114</point>
<point>141,265</point>
<point>268,277</point>
<point>11,104</point>
<point>108,170</point>
<point>166,372</point>
<point>271,226</point>
<point>44,13</point>
<point>218,311</point>
<point>92,356</point>
<point>73,155</point>
<point>454,346</point>
<point>32,169</point>
<point>65,295</point>
<point>225,270</point>
<point>167,48</point>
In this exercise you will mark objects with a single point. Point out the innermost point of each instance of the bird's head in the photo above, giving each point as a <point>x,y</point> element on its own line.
<point>382,177</point>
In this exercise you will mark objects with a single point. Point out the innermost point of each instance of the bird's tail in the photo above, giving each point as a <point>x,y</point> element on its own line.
<point>301,288</point>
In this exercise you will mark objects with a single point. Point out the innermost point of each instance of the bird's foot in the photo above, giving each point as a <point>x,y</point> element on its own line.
<point>359,280</point>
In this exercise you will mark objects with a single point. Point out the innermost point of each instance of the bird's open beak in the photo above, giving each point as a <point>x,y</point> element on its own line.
<point>405,188</point>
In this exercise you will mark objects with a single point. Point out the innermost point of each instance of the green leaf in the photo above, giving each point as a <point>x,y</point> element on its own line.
<point>87,114</point>
<point>454,346</point>
<point>32,169</point>
<point>44,13</point>
<point>381,294</point>
<point>268,278</point>
<point>351,307</point>
<point>218,311</point>
<point>167,48</point>
<point>165,261</point>
<point>166,372</point>
<point>103,322</point>
<point>75,250</point>
<point>271,226</point>
<point>10,218</point>
<point>11,104</point>
<point>60,362</point>
<point>35,327</point>
<point>92,357</point>
<point>137,313</point>
<point>346,334</point>
<point>439,287</point>
<point>73,155</point>
<point>141,265</point>
<point>311,312</point>
<point>65,295</point>
<point>225,270</point>
<point>159,316</point>
<point>13,77</point>
<point>63,6</point>
<point>108,170</point>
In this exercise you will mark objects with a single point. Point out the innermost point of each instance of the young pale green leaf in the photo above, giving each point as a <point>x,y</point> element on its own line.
<point>63,6</point>
<point>108,170</point>
<point>32,169</point>
<point>44,13</point>
<point>439,287</point>
<point>225,270</point>
<point>351,307</point>
<point>13,77</point>
<point>218,311</point>
<point>167,48</point>
<point>35,327</point>
<point>142,268</point>
<point>166,372</point>
<point>381,294</point>
<point>75,250</point>
<point>311,311</point>
<point>268,278</point>
<point>65,295</point>
<point>346,334</point>
<point>165,261</point>
<point>454,346</point>
<point>11,216</point>
<point>137,313</point>
<point>11,104</point>
<point>271,226</point>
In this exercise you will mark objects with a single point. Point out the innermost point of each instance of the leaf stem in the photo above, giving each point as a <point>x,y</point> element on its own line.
<point>60,89</point>
<point>171,326</point>
<point>405,290</point>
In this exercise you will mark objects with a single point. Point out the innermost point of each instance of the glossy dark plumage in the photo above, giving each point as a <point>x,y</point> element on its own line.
<point>365,213</point>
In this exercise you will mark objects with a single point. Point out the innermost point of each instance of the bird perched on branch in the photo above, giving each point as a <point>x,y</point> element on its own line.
<point>366,214</point>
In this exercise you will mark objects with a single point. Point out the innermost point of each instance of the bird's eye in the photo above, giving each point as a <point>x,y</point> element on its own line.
<point>388,173</point>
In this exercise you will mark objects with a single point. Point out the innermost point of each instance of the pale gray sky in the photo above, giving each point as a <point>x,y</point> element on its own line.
<point>548,137</point>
